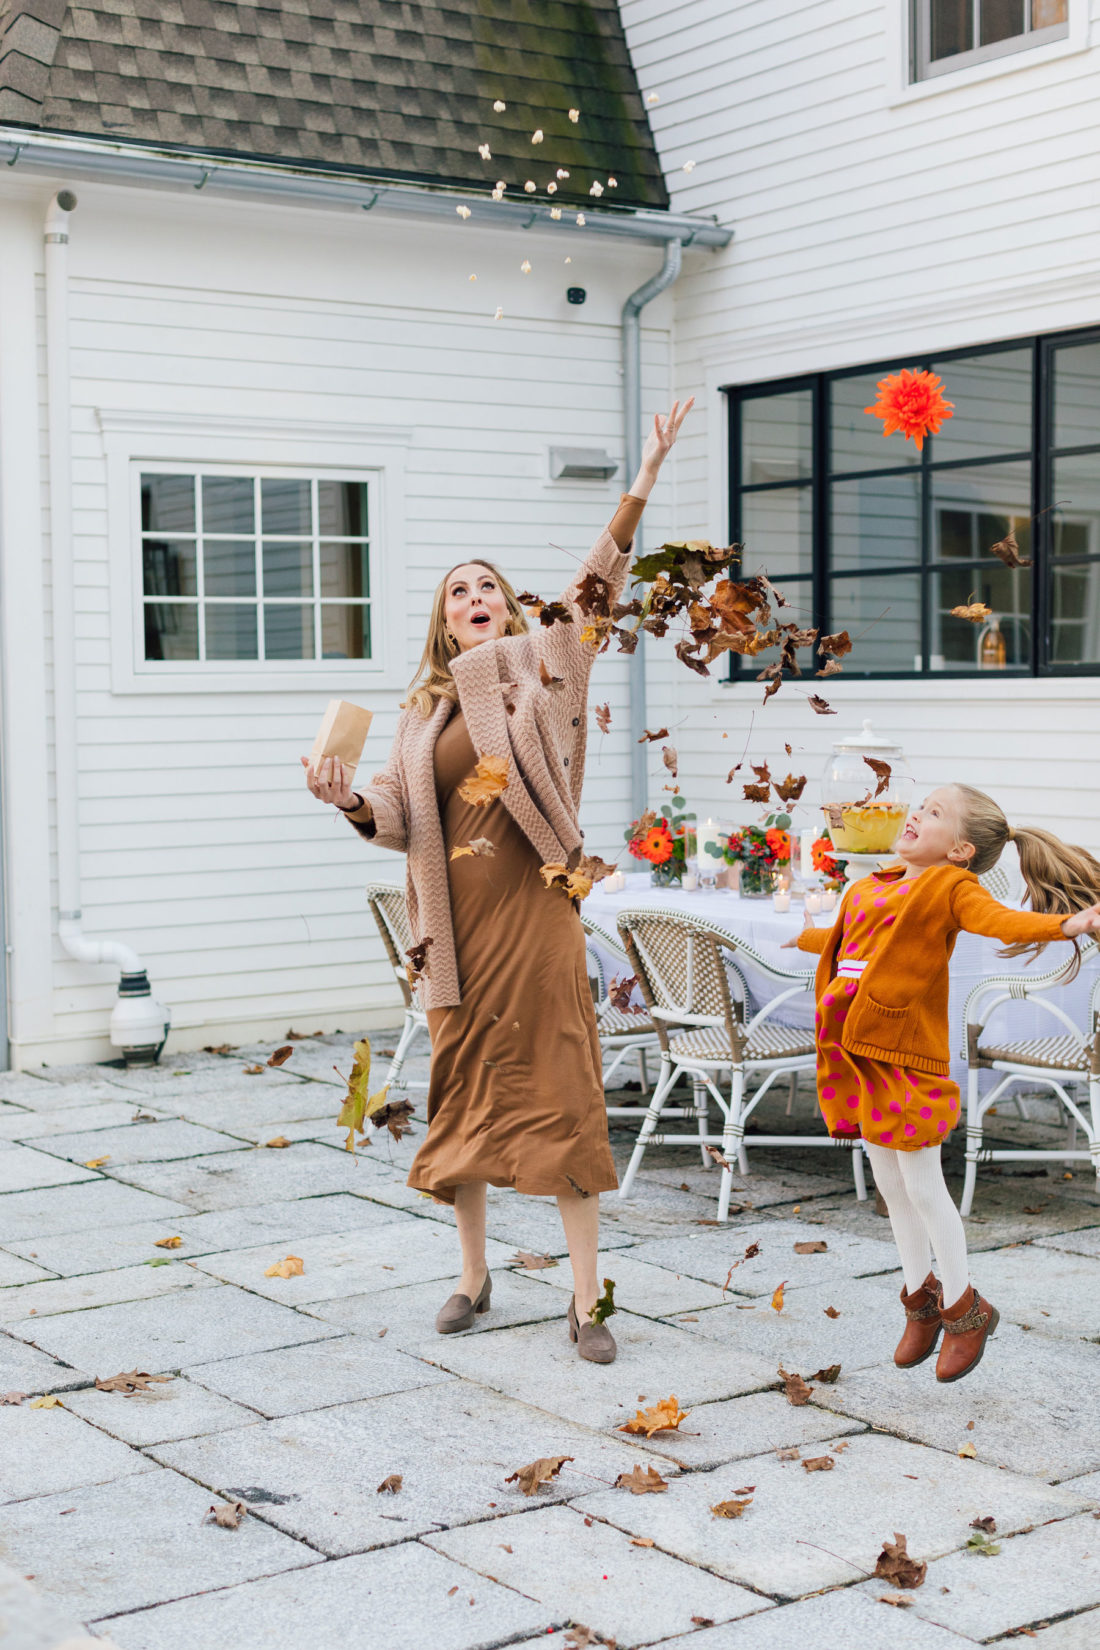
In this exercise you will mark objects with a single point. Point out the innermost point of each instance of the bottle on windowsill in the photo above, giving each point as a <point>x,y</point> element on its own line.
<point>992,653</point>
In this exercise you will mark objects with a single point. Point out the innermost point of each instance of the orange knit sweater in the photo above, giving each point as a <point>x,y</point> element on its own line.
<point>899,1013</point>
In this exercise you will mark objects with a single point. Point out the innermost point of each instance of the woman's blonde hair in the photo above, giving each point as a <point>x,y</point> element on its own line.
<point>1060,878</point>
<point>433,680</point>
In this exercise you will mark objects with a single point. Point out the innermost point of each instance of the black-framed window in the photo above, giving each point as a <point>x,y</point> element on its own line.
<point>952,34</point>
<point>868,535</point>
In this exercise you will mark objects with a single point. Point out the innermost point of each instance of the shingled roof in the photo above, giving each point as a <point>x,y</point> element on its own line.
<point>396,88</point>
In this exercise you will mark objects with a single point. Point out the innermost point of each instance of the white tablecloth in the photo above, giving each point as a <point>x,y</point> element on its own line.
<point>754,920</point>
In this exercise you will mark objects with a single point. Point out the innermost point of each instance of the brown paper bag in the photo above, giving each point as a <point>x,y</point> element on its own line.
<point>343,733</point>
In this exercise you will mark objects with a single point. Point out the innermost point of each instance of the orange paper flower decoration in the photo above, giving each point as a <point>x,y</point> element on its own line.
<point>912,402</point>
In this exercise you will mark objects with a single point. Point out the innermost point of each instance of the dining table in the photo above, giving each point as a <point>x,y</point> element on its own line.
<point>756,923</point>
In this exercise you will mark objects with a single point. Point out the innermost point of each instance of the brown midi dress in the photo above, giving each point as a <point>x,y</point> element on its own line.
<point>516,1093</point>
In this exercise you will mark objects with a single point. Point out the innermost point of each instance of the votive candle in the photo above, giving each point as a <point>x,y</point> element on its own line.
<point>781,900</point>
<point>828,899</point>
<point>813,902</point>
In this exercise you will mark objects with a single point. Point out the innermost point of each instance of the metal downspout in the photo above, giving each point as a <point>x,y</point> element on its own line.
<point>632,414</point>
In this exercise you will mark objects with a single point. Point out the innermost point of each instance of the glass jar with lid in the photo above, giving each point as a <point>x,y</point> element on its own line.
<point>866,791</point>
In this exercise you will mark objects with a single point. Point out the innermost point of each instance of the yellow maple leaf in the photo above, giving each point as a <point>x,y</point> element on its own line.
<point>488,779</point>
<point>292,1267</point>
<point>574,884</point>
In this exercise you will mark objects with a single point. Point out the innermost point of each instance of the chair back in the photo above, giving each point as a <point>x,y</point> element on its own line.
<point>681,971</point>
<point>996,882</point>
<point>387,906</point>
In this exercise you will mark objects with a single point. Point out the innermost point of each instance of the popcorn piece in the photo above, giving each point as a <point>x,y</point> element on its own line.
<point>580,220</point>
<point>653,97</point>
<point>574,115</point>
<point>596,189</point>
<point>463,212</point>
<point>484,151</point>
<point>562,174</point>
<point>536,137</point>
<point>499,106</point>
<point>555,213</point>
<point>529,187</point>
<point>551,188</point>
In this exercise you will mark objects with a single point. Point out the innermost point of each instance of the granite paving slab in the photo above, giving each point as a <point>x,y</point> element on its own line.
<point>202,1324</point>
<point>1054,1291</point>
<point>1085,1241</point>
<point>709,1256</point>
<point>48,1450</point>
<point>254,1116</point>
<point>134,1242</point>
<point>24,1368</point>
<point>1081,1632</point>
<point>734,1428</point>
<point>15,1270</point>
<point>997,1219</point>
<point>592,1574</point>
<point>405,1598</point>
<point>381,1257</point>
<point>803,1336</point>
<point>651,1291</point>
<point>760,1189</point>
<point>878,1485</point>
<point>128,1283</point>
<point>1025,1399</point>
<point>141,1143</point>
<point>213,1075</point>
<point>840,1620</point>
<point>1088,1484</point>
<point>408,1315</point>
<point>46,1094</point>
<point>23,1168</point>
<point>95,1202</point>
<point>454,1446</point>
<point>37,1125</point>
<point>138,1541</point>
<point>524,1222</point>
<point>316,1376</point>
<point>178,1409</point>
<point>235,1179</point>
<point>30,1622</point>
<point>1048,1572</point>
<point>537,1364</point>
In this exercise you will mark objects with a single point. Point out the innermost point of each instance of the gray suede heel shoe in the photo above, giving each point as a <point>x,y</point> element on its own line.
<point>460,1311</point>
<point>594,1340</point>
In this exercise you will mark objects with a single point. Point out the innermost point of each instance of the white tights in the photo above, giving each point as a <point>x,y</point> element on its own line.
<point>923,1216</point>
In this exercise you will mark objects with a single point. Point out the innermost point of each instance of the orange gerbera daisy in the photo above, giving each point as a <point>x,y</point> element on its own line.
<point>657,844</point>
<point>911,402</point>
<point>779,842</point>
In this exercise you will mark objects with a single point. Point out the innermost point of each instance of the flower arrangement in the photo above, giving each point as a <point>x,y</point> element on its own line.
<point>912,402</point>
<point>760,850</point>
<point>831,868</point>
<point>665,840</point>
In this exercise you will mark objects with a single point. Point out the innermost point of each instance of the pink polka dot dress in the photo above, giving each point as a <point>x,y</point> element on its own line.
<point>887,1104</point>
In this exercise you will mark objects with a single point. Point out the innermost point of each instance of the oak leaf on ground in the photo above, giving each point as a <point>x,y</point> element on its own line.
<point>898,1600</point>
<point>795,1387</point>
<point>831,1312</point>
<point>537,1472</point>
<point>292,1267</point>
<point>129,1382</point>
<point>252,1071</point>
<point>281,1055</point>
<point>581,1638</point>
<point>731,1509</point>
<point>488,780</point>
<point>48,1400</point>
<point>664,1416</point>
<point>12,1397</point>
<point>895,1565</point>
<point>96,1162</point>
<point>818,1463</point>
<point>827,1376</point>
<point>641,1481</point>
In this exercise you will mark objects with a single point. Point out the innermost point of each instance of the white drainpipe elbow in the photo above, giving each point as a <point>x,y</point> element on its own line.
<point>97,951</point>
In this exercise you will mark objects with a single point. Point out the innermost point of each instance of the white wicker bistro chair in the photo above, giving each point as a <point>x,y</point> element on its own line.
<point>696,992</point>
<point>997,883</point>
<point>621,1035</point>
<point>387,907</point>
<point>1065,1061</point>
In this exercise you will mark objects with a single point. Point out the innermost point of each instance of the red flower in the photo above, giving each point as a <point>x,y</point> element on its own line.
<point>911,402</point>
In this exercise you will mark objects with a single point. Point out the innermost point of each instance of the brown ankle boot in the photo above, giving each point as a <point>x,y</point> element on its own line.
<point>922,1328</point>
<point>967,1326</point>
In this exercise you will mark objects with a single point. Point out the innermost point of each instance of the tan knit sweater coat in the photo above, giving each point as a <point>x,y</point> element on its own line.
<point>544,739</point>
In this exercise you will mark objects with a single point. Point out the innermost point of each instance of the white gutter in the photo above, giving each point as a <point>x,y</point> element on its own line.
<point>108,160</point>
<point>632,415</point>
<point>138,1022</point>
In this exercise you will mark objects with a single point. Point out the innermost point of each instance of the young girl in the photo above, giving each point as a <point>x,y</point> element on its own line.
<point>882,1032</point>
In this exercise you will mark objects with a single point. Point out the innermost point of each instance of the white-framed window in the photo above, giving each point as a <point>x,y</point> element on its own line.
<point>948,35</point>
<point>249,568</point>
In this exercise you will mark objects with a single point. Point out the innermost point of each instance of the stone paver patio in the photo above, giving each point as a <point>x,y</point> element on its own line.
<point>299,1396</point>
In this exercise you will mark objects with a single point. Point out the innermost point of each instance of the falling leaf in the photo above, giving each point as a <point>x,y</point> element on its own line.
<point>898,1600</point>
<point>133,1380</point>
<point>463,212</point>
<point>279,1142</point>
<point>605,1307</point>
<point>227,1516</point>
<point>574,884</point>
<point>538,1472</point>
<point>619,994</point>
<point>393,1116</point>
<point>1008,551</point>
<point>968,1452</point>
<point>895,1565</point>
<point>795,1387</point>
<point>484,151</point>
<point>479,846</point>
<point>641,1482</point>
<point>48,1400</point>
<point>790,789</point>
<point>670,759</point>
<point>756,793</point>
<point>281,1055</point>
<point>828,1375</point>
<point>821,706</point>
<point>487,781</point>
<point>531,1263</point>
<point>252,1071</point>
<point>390,1485</point>
<point>777,1298</point>
<point>291,1267</point>
<point>974,612</point>
<point>817,1246</point>
<point>574,115</point>
<point>359,1103</point>
<point>731,1509</point>
<point>603,718</point>
<point>664,1416</point>
<point>717,1157</point>
<point>818,1463</point>
<point>838,644</point>
<point>881,771</point>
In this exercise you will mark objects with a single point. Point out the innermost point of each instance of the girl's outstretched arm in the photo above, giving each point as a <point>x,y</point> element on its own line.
<point>978,912</point>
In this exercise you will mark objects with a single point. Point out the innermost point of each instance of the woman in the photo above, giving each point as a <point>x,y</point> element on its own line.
<point>516,1096</point>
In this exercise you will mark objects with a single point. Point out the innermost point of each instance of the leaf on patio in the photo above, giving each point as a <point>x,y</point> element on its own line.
<point>670,758</point>
<point>487,781</point>
<point>973,612</point>
<point>881,771</point>
<point>219,1048</point>
<point>731,1509</point>
<point>96,1162</point>
<point>279,1142</point>
<point>281,1055</point>
<point>831,1312</point>
<point>795,1387</point>
<point>898,1600</point>
<point>252,1071</point>
<point>1008,551</point>
<point>417,966</point>
<point>664,1416</point>
<point>291,1267</point>
<point>815,1246</point>
<point>703,1621</point>
<point>838,644</point>
<point>552,684</point>
<point>602,714</point>
<point>827,1376</point>
<point>642,1541</point>
<point>895,1565</point>
<point>531,1263</point>
<point>390,1485</point>
<point>573,884</point>
<point>132,1380</point>
<point>756,793</point>
<point>227,1515</point>
<point>580,1638</point>
<point>538,1472</point>
<point>161,1260</point>
<point>818,1463</point>
<point>651,738</point>
<point>605,1307</point>
<point>791,1454</point>
<point>777,1298</point>
<point>981,1544</point>
<point>820,705</point>
<point>988,1526</point>
<point>48,1400</point>
<point>968,1452</point>
<point>790,789</point>
<point>639,1481</point>
<point>12,1397</point>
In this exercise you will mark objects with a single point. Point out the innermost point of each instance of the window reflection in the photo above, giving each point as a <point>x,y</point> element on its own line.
<point>777,531</point>
<point>777,437</point>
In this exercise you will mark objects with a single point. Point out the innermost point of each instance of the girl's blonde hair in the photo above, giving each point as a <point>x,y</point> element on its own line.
<point>1060,878</point>
<point>433,680</point>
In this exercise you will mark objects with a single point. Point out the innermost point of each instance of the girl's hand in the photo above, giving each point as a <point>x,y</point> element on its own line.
<point>662,437</point>
<point>330,781</point>
<point>1082,922</point>
<point>792,944</point>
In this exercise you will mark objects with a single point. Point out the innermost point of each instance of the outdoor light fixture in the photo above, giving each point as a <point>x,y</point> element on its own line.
<point>581,464</point>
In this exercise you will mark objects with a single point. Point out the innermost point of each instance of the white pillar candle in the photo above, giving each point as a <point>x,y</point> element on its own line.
<point>813,902</point>
<point>806,842</point>
<point>781,900</point>
<point>709,833</point>
<point>828,899</point>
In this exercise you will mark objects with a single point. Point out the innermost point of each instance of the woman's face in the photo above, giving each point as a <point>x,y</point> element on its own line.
<point>474,606</point>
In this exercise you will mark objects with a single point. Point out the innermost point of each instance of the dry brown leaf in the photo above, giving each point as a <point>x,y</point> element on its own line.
<point>818,1463</point>
<point>552,684</point>
<point>838,644</point>
<point>716,1156</point>
<point>898,1600</point>
<point>968,1452</point>
<point>619,994</point>
<point>664,1416</point>
<point>827,1376</point>
<point>281,1055</point>
<point>252,1071</point>
<point>602,714</point>
<point>651,738</point>
<point>703,1621</point>
<point>574,884</point>
<point>790,789</point>
<point>291,1267</point>
<point>279,1142</point>
<point>670,758</point>
<point>973,612</point>
<point>487,781</point>
<point>96,1162</point>
<point>580,1638</point>
<point>219,1048</point>
<point>816,1246</point>
<point>881,771</point>
<point>988,1526</point>
<point>531,1263</point>
<point>12,1397</point>
<point>48,1400</point>
<point>226,1515</point>
<point>1008,551</point>
<point>538,1472</point>
<point>895,1565</point>
<point>831,1312</point>
<point>167,1243</point>
<point>132,1380</point>
<point>831,667</point>
<point>417,966</point>
<point>642,1541</point>
<point>641,1482</point>
<point>390,1485</point>
<point>731,1509</point>
<point>820,705</point>
<point>795,1387</point>
<point>756,793</point>
<point>777,1298</point>
<point>791,1454</point>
